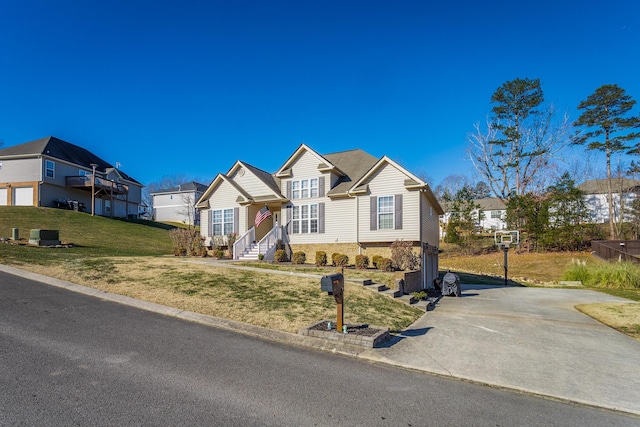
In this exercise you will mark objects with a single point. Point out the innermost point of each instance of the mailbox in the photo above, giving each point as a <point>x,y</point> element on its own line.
<point>332,283</point>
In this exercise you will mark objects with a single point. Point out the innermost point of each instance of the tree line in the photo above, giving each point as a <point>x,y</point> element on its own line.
<point>516,157</point>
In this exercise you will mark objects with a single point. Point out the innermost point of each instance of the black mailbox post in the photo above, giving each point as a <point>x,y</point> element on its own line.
<point>334,285</point>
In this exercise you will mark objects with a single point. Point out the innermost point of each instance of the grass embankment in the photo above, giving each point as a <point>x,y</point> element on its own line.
<point>125,258</point>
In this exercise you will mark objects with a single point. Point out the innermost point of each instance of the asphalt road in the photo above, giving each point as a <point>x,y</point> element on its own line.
<point>71,359</point>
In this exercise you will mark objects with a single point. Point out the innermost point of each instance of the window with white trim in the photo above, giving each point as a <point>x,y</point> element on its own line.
<point>222,222</point>
<point>305,219</point>
<point>50,168</point>
<point>304,188</point>
<point>385,213</point>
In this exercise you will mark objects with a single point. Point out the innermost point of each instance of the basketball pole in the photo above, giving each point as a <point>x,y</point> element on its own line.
<point>506,263</point>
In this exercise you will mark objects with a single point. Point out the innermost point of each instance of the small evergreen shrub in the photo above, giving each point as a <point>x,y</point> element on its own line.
<point>419,295</point>
<point>299,257</point>
<point>362,262</point>
<point>333,258</point>
<point>260,257</point>
<point>280,255</point>
<point>385,264</point>
<point>321,258</point>
<point>219,253</point>
<point>375,260</point>
<point>341,260</point>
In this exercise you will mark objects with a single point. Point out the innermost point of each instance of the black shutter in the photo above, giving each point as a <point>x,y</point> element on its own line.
<point>398,212</point>
<point>373,213</point>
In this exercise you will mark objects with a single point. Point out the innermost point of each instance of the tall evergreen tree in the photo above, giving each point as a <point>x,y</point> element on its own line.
<point>607,126</point>
<point>521,139</point>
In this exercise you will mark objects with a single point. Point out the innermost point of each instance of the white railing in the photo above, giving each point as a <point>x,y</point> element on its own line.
<point>268,244</point>
<point>245,241</point>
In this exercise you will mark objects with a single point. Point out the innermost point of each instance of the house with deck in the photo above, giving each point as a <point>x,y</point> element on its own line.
<point>348,202</point>
<point>50,172</point>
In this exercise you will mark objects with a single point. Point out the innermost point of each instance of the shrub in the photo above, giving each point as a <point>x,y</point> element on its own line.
<point>299,257</point>
<point>403,256</point>
<point>231,239</point>
<point>260,257</point>
<point>375,260</point>
<point>280,255</point>
<point>219,253</point>
<point>333,257</point>
<point>385,264</point>
<point>321,259</point>
<point>419,295</point>
<point>340,260</point>
<point>362,262</point>
<point>186,242</point>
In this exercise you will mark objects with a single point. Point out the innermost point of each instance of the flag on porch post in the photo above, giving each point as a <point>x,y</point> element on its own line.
<point>262,214</point>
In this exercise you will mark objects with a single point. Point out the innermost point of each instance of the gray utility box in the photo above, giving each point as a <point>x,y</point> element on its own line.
<point>44,237</point>
<point>332,283</point>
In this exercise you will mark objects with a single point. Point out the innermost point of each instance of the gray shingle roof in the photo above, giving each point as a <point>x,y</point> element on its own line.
<point>599,186</point>
<point>354,164</point>
<point>187,186</point>
<point>62,150</point>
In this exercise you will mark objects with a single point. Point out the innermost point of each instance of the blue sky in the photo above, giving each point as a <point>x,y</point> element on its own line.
<point>187,88</point>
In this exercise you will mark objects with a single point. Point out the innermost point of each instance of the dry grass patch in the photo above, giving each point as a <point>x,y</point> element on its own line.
<point>533,268</point>
<point>285,303</point>
<point>624,317</point>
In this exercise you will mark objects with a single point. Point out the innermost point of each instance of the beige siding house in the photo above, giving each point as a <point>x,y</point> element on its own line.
<point>348,202</point>
<point>50,172</point>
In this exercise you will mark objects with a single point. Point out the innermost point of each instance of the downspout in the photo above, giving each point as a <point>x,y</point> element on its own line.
<point>422,248</point>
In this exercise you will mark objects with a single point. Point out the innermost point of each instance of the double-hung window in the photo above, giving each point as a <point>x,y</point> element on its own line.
<point>304,188</point>
<point>305,219</point>
<point>222,222</point>
<point>50,168</point>
<point>385,213</point>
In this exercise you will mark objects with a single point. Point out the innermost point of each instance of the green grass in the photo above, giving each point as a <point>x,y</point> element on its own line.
<point>611,275</point>
<point>92,236</point>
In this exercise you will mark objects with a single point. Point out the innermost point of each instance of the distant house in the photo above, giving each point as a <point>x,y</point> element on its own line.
<point>596,197</point>
<point>348,202</point>
<point>491,215</point>
<point>177,204</point>
<point>50,172</point>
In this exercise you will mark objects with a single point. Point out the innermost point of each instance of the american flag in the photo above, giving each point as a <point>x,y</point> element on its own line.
<point>262,214</point>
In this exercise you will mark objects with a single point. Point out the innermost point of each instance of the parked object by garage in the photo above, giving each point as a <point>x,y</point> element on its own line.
<point>451,285</point>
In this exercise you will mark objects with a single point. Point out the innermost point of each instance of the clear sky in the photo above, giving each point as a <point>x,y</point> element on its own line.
<point>189,87</point>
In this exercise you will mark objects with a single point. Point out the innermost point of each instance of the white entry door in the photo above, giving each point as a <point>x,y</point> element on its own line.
<point>23,196</point>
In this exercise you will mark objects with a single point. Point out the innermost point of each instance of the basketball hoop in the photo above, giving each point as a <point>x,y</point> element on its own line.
<point>503,240</point>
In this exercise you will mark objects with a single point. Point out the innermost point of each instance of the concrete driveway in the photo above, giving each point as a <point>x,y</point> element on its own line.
<point>529,339</point>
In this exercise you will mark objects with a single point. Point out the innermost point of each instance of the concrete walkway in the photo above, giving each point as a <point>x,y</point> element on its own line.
<point>526,339</point>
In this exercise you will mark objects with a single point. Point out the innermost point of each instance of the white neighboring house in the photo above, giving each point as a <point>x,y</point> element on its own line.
<point>596,197</point>
<point>177,204</point>
<point>492,215</point>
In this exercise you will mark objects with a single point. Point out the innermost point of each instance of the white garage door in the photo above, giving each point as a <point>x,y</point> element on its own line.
<point>23,196</point>
<point>3,197</point>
